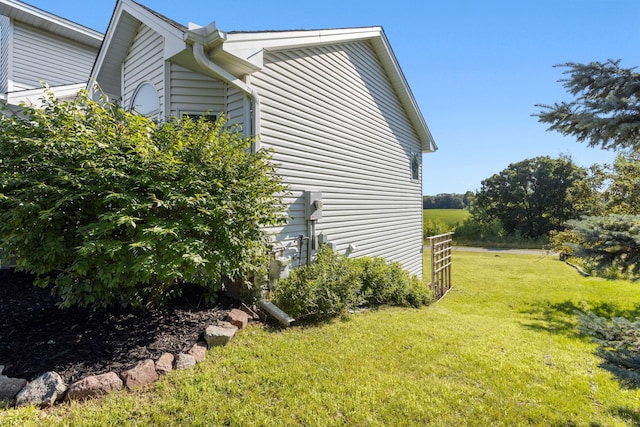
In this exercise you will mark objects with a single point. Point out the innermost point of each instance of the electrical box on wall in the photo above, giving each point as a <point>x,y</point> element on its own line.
<point>313,205</point>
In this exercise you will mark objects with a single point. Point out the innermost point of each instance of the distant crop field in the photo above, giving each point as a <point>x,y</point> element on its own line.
<point>451,217</point>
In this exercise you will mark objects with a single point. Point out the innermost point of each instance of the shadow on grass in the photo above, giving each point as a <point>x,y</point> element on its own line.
<point>628,414</point>
<point>561,317</point>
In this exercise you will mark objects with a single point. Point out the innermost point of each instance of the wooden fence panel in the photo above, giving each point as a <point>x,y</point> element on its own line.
<point>441,246</point>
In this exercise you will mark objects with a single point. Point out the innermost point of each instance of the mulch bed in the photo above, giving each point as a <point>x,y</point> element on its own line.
<point>36,336</point>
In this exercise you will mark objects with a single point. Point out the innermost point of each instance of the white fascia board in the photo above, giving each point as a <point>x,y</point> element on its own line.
<point>105,48</point>
<point>28,14</point>
<point>249,45</point>
<point>398,80</point>
<point>173,36</point>
<point>34,96</point>
<point>271,39</point>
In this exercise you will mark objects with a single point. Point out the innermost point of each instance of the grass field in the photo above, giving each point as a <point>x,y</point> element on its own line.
<point>451,217</point>
<point>501,349</point>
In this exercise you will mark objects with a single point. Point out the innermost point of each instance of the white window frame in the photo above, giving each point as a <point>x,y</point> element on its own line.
<point>417,157</point>
<point>133,105</point>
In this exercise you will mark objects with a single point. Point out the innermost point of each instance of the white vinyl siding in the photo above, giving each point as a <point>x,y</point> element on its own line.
<point>144,63</point>
<point>338,127</point>
<point>44,56</point>
<point>5,34</point>
<point>238,109</point>
<point>192,92</point>
<point>196,93</point>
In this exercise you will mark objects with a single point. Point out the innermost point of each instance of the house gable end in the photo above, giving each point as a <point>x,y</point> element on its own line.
<point>144,63</point>
<point>332,116</point>
<point>37,46</point>
<point>253,46</point>
<point>127,18</point>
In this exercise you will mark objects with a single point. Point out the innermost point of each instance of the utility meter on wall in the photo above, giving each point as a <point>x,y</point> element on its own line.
<point>313,205</point>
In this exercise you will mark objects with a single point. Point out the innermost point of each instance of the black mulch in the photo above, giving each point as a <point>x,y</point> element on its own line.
<point>36,336</point>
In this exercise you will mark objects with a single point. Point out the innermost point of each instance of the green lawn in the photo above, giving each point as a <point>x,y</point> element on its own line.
<point>451,217</point>
<point>500,350</point>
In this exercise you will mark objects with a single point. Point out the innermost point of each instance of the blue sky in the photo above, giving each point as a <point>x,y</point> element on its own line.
<point>476,68</point>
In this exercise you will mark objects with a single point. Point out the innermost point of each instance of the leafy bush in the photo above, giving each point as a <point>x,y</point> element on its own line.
<point>564,242</point>
<point>322,290</point>
<point>333,284</point>
<point>433,227</point>
<point>385,283</point>
<point>473,232</point>
<point>113,209</point>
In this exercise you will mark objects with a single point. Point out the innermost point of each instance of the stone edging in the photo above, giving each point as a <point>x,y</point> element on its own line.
<point>49,388</point>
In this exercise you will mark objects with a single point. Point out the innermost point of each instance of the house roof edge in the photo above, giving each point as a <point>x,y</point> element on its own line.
<point>34,16</point>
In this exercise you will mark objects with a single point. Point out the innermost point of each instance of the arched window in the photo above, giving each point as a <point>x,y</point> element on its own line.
<point>145,100</point>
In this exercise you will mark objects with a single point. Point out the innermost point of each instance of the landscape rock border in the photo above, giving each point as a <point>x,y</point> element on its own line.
<point>49,388</point>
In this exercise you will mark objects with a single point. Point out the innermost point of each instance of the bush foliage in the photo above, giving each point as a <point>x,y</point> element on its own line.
<point>384,283</point>
<point>113,209</point>
<point>434,227</point>
<point>476,232</point>
<point>334,284</point>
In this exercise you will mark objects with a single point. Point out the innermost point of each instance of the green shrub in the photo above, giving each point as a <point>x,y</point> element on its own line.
<point>564,242</point>
<point>333,284</point>
<point>111,208</point>
<point>324,289</point>
<point>473,232</point>
<point>385,283</point>
<point>435,226</point>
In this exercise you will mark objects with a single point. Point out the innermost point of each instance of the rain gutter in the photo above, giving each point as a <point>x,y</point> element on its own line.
<point>198,40</point>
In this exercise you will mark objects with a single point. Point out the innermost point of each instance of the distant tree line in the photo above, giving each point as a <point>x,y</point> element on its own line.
<point>448,201</point>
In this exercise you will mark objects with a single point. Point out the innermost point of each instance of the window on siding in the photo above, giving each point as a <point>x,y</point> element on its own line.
<point>415,166</point>
<point>146,100</point>
<point>194,116</point>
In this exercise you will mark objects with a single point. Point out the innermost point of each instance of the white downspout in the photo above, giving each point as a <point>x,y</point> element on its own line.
<point>222,74</point>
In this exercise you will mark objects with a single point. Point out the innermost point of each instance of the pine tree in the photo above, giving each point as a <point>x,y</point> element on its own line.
<point>605,113</point>
<point>619,340</point>
<point>606,107</point>
<point>609,241</point>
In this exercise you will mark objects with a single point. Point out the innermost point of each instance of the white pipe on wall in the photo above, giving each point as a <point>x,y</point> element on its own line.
<point>222,74</point>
